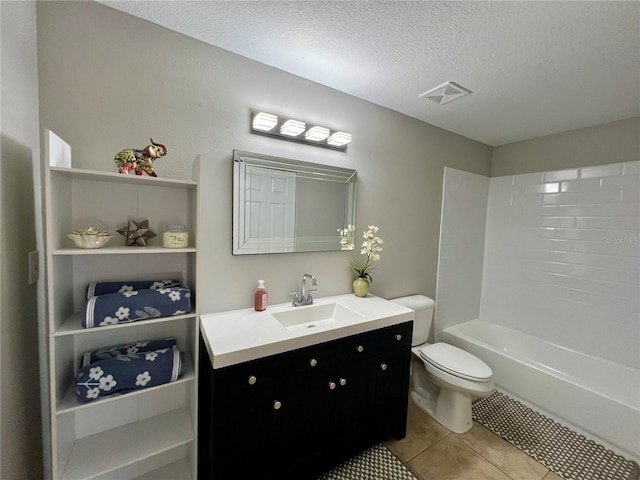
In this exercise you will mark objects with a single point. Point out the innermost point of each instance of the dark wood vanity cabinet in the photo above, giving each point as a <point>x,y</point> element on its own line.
<point>393,363</point>
<point>299,413</point>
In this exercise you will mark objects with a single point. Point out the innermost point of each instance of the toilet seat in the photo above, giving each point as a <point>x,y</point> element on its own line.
<point>456,362</point>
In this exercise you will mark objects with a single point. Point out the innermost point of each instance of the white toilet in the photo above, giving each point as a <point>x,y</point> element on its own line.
<point>445,378</point>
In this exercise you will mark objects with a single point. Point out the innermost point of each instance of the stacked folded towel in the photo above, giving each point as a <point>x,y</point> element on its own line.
<point>124,368</point>
<point>101,288</point>
<point>109,303</point>
<point>131,349</point>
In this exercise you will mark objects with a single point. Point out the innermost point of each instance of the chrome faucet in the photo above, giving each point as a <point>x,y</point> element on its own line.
<point>304,297</point>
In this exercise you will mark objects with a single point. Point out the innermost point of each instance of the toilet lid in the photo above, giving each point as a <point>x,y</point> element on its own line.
<point>456,362</point>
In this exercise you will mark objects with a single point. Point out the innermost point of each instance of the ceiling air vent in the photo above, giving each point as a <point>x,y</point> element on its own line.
<point>445,93</point>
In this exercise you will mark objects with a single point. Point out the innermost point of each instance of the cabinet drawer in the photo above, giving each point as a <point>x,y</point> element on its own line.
<point>255,374</point>
<point>396,335</point>
<point>312,359</point>
<point>326,355</point>
<point>359,346</point>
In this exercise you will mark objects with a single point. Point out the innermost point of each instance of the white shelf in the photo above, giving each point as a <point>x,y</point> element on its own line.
<point>122,178</point>
<point>116,448</point>
<point>70,403</point>
<point>105,439</point>
<point>179,470</point>
<point>73,324</point>
<point>109,250</point>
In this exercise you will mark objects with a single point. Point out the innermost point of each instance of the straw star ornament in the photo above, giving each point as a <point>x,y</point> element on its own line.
<point>137,233</point>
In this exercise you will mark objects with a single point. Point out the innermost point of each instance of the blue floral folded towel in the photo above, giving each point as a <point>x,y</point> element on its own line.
<point>128,372</point>
<point>132,349</point>
<point>135,305</point>
<point>102,288</point>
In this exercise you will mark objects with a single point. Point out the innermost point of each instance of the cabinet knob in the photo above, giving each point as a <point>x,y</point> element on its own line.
<point>332,385</point>
<point>277,405</point>
<point>252,380</point>
<point>383,366</point>
<point>360,348</point>
<point>398,337</point>
<point>343,382</point>
<point>313,362</point>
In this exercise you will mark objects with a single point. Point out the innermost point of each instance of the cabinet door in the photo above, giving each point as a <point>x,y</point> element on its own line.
<point>303,421</point>
<point>249,435</point>
<point>304,428</point>
<point>350,405</point>
<point>247,408</point>
<point>392,393</point>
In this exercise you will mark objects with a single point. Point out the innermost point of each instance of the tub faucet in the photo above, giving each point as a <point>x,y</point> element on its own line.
<point>304,296</point>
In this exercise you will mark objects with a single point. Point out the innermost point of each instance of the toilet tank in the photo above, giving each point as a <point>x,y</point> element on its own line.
<point>424,307</point>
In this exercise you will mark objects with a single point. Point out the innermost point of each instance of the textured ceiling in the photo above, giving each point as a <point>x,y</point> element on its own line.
<point>535,68</point>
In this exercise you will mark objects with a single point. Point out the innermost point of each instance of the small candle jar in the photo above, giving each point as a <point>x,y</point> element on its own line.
<point>175,236</point>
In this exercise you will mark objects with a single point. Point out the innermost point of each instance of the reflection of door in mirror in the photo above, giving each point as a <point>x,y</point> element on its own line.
<point>283,205</point>
<point>270,203</point>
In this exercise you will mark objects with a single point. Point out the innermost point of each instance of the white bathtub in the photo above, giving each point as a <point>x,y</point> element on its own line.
<point>597,398</point>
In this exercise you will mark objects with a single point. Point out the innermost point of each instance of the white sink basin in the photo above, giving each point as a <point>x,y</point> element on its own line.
<point>299,318</point>
<point>242,335</point>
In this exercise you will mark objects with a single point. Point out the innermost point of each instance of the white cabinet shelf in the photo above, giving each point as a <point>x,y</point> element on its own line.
<point>144,432</point>
<point>113,449</point>
<point>73,324</point>
<point>70,403</point>
<point>173,471</point>
<point>109,250</point>
<point>94,176</point>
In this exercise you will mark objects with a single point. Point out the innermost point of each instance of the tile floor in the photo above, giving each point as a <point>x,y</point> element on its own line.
<point>435,453</point>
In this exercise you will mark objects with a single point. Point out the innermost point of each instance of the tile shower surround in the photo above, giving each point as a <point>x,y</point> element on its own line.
<point>562,258</point>
<point>462,238</point>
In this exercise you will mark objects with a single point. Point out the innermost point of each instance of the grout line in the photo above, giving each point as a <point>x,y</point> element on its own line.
<point>434,443</point>
<point>489,460</point>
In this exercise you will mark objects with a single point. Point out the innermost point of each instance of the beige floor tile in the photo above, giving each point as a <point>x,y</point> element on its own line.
<point>515,463</point>
<point>552,476</point>
<point>452,459</point>
<point>422,432</point>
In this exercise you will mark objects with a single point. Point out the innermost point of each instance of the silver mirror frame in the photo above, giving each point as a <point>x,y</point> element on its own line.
<point>302,170</point>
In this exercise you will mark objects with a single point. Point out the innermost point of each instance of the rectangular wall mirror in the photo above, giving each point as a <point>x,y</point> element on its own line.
<point>282,205</point>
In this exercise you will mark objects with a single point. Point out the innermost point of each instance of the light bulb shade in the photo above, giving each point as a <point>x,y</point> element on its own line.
<point>284,128</point>
<point>316,133</point>
<point>292,128</point>
<point>264,121</point>
<point>339,139</point>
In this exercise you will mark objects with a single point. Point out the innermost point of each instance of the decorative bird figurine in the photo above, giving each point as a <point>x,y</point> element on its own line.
<point>140,160</point>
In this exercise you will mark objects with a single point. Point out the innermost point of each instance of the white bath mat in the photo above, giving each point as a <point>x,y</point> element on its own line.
<point>376,463</point>
<point>570,455</point>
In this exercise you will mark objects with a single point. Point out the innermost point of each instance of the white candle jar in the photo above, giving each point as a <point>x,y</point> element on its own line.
<point>175,236</point>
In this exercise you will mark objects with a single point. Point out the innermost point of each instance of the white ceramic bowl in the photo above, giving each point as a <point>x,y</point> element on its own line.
<point>90,237</point>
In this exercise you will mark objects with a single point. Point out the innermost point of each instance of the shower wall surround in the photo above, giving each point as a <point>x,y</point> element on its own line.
<point>562,258</point>
<point>462,235</point>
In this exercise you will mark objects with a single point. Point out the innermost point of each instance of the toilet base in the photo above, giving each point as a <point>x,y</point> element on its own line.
<point>451,409</point>
<point>445,398</point>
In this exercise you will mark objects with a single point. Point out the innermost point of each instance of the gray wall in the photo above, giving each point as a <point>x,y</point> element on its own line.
<point>609,143</point>
<point>110,81</point>
<point>20,439</point>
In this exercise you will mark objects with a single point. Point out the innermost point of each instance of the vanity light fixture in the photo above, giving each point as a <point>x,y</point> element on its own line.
<point>339,138</point>
<point>316,133</point>
<point>292,128</point>
<point>263,123</point>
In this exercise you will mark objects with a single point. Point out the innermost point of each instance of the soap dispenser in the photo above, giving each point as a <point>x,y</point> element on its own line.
<point>260,301</point>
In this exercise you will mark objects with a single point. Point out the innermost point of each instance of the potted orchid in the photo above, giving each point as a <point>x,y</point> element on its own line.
<point>346,237</point>
<point>371,248</point>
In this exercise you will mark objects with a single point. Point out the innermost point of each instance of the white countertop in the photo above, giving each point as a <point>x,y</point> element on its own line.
<point>242,335</point>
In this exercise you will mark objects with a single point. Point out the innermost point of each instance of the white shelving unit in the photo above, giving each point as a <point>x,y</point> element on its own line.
<point>149,433</point>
